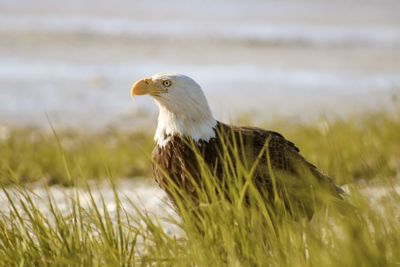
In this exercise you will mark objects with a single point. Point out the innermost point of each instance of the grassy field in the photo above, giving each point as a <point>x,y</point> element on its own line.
<point>364,233</point>
<point>67,156</point>
<point>364,147</point>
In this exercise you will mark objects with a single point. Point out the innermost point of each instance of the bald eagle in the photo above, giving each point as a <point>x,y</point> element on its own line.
<point>186,129</point>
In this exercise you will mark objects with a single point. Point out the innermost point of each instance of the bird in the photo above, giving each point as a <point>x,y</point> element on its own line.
<point>189,138</point>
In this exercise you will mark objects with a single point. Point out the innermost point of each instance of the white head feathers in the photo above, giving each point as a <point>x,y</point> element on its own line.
<point>184,110</point>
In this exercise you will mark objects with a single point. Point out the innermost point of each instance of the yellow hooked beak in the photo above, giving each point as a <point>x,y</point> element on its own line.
<point>146,87</point>
<point>141,87</point>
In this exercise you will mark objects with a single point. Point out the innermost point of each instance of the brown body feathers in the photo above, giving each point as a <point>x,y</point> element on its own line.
<point>267,154</point>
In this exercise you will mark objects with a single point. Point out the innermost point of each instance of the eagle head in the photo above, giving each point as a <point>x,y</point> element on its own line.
<point>184,110</point>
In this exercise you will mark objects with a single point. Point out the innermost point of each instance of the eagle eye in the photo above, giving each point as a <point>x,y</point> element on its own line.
<point>166,83</point>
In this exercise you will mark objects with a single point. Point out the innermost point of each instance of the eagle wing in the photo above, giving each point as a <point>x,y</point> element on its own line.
<point>282,155</point>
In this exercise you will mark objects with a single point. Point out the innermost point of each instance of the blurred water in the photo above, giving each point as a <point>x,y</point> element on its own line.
<point>75,60</point>
<point>254,32</point>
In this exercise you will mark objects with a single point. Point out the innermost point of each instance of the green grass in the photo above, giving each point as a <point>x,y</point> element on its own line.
<point>225,234</point>
<point>364,147</point>
<point>29,155</point>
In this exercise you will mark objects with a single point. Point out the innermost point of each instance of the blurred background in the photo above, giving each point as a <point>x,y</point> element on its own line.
<point>76,60</point>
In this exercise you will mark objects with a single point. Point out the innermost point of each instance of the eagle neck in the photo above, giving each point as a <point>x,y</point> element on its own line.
<point>198,125</point>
